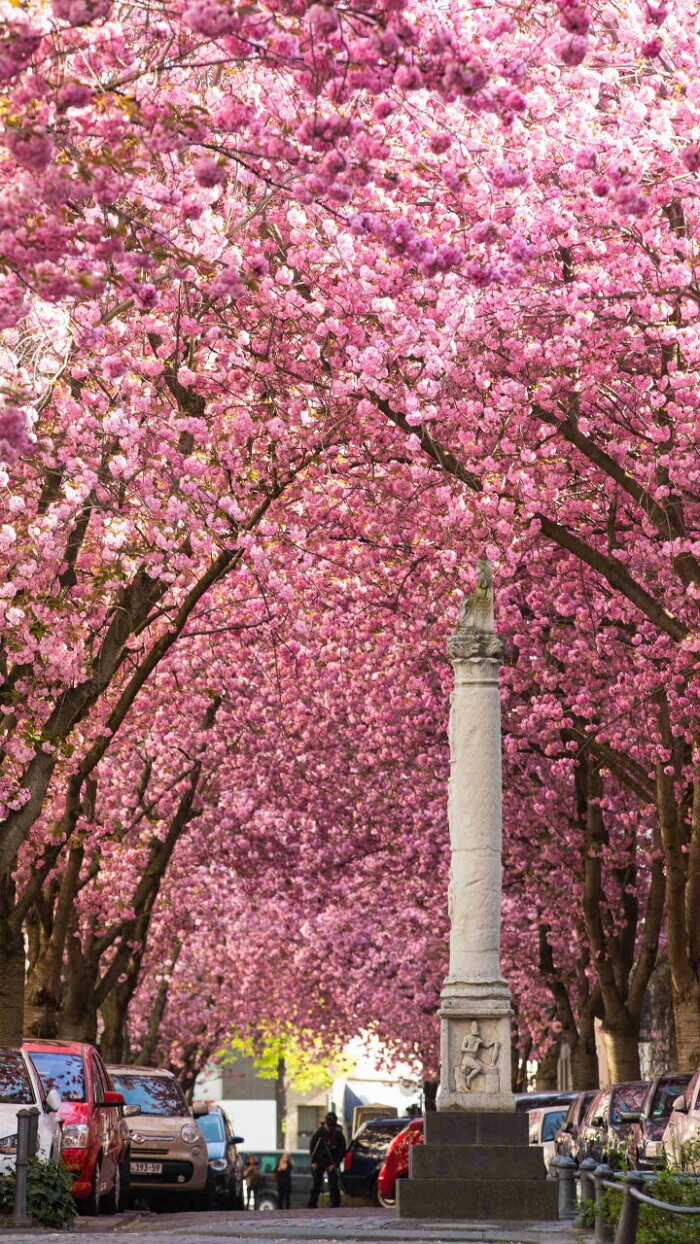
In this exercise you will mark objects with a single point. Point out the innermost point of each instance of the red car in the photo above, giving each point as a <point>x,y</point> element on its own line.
<point>95,1139</point>
<point>396,1162</point>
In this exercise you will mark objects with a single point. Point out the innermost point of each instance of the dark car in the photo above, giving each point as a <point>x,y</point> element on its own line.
<point>566,1140</point>
<point>646,1135</point>
<point>609,1119</point>
<point>301,1178</point>
<point>224,1162</point>
<point>365,1156</point>
<point>536,1101</point>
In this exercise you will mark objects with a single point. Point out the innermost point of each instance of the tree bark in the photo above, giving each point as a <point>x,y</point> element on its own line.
<point>686,1014</point>
<point>12,963</point>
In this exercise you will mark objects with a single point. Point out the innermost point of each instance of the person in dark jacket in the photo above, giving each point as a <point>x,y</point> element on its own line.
<point>327,1148</point>
<point>283,1175</point>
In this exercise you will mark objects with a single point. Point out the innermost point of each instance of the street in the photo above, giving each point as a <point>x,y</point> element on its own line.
<point>352,1226</point>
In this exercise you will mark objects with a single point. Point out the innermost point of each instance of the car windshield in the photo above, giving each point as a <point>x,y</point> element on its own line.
<point>628,1097</point>
<point>212,1125</point>
<point>664,1097</point>
<point>65,1072</point>
<point>158,1095</point>
<point>551,1124</point>
<point>15,1085</point>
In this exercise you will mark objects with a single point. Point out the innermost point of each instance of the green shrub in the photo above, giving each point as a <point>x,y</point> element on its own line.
<point>49,1200</point>
<point>656,1226</point>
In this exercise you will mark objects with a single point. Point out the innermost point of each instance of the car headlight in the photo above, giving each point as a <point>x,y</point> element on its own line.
<point>8,1144</point>
<point>218,1164</point>
<point>75,1136</point>
<point>190,1134</point>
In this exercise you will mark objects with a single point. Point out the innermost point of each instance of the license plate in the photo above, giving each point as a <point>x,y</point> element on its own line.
<point>146,1168</point>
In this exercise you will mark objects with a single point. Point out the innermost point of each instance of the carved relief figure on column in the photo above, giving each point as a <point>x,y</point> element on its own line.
<point>471,1065</point>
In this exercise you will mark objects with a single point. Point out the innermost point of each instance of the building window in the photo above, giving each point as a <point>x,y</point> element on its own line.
<point>308,1119</point>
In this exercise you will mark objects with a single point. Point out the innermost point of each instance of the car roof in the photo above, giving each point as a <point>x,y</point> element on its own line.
<point>37,1046</point>
<point>127,1070</point>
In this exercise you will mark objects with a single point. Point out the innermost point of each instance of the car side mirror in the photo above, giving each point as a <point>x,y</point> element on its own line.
<point>681,1104</point>
<point>199,1109</point>
<point>237,1140</point>
<point>113,1099</point>
<point>131,1111</point>
<point>53,1101</point>
<point>630,1116</point>
<point>599,1121</point>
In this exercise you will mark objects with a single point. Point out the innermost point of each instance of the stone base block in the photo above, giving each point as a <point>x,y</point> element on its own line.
<point>509,1200</point>
<point>457,1162</point>
<point>484,1128</point>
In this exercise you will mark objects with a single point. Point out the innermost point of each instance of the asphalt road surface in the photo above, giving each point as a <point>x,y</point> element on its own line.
<point>344,1226</point>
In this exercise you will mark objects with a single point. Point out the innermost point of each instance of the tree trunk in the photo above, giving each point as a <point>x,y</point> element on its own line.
<point>546,1078</point>
<point>584,1058</point>
<point>686,1014</point>
<point>12,963</point>
<point>281,1103</point>
<point>42,1005</point>
<point>114,1042</point>
<point>622,1046</point>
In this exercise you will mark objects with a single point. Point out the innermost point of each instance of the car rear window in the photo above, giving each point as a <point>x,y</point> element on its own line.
<point>628,1097</point>
<point>552,1123</point>
<point>65,1072</point>
<point>159,1095</point>
<point>665,1095</point>
<point>15,1085</point>
<point>374,1139</point>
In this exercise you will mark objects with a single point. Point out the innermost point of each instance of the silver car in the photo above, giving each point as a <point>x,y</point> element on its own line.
<point>683,1128</point>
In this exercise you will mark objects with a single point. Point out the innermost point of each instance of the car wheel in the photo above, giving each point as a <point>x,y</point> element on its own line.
<point>126,1184</point>
<point>113,1200</point>
<point>266,1203</point>
<point>388,1202</point>
<point>205,1200</point>
<point>90,1205</point>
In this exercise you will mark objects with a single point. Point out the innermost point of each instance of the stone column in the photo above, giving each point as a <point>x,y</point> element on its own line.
<point>475,1013</point>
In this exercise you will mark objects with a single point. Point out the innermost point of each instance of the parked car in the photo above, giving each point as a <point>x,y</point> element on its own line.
<point>95,1140</point>
<point>683,1127</point>
<point>543,1125</point>
<point>168,1151</point>
<point>20,1087</point>
<point>646,1135</point>
<point>535,1101</point>
<point>224,1161</point>
<point>365,1156</point>
<point>609,1120</point>
<point>301,1178</point>
<point>395,1164</point>
<point>566,1140</point>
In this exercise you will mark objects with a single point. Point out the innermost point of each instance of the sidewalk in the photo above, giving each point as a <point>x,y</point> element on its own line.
<point>344,1226</point>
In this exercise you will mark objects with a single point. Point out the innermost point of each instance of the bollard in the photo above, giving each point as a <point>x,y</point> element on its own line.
<point>586,1170</point>
<point>602,1233</point>
<point>629,1215</point>
<point>27,1126</point>
<point>566,1170</point>
<point>33,1140</point>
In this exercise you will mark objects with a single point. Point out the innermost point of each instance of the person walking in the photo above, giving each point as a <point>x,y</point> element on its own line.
<point>252,1178</point>
<point>327,1148</point>
<point>283,1175</point>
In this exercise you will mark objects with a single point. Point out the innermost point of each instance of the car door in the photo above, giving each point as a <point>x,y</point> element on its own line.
<point>301,1179</point>
<point>680,1124</point>
<point>114,1113</point>
<point>102,1120</point>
